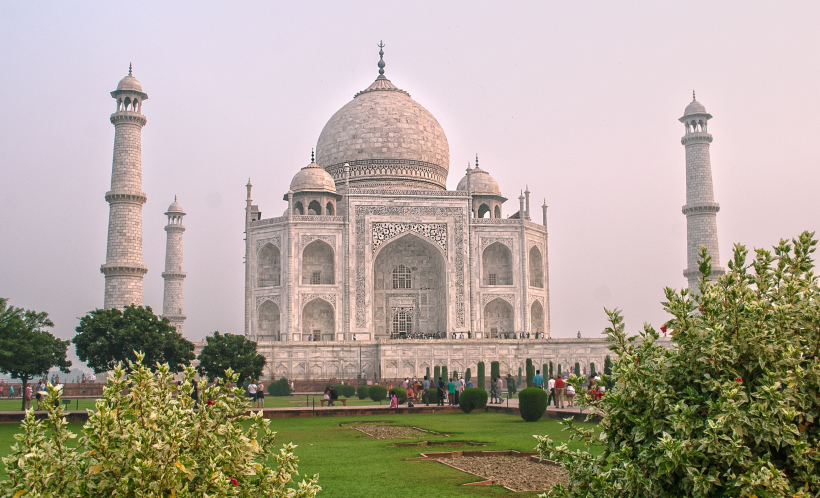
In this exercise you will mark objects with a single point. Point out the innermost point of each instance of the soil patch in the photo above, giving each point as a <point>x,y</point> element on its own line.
<point>450,444</point>
<point>392,431</point>
<point>510,469</point>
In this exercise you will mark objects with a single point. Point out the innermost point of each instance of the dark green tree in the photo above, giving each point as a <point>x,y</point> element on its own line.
<point>444,373</point>
<point>224,351</point>
<point>559,370</point>
<point>592,369</point>
<point>551,369</point>
<point>495,369</point>
<point>577,369</point>
<point>545,371</point>
<point>106,337</point>
<point>436,374</point>
<point>481,375</point>
<point>427,373</point>
<point>530,372</point>
<point>608,365</point>
<point>468,375</point>
<point>26,350</point>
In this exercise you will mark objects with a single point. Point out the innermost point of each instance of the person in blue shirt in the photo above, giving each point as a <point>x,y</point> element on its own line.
<point>538,380</point>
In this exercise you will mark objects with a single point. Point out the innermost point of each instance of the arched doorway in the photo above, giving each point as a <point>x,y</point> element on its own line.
<point>410,289</point>
<point>537,318</point>
<point>318,320</point>
<point>268,322</point>
<point>317,264</point>
<point>498,318</point>
<point>268,267</point>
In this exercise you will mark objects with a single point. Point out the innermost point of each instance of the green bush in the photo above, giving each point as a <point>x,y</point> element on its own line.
<point>592,369</point>
<point>444,374</point>
<point>472,398</point>
<point>730,409</point>
<point>280,387</point>
<point>377,393</point>
<point>401,394</point>
<point>481,376</point>
<point>349,390</point>
<point>495,370</point>
<point>436,374</point>
<point>468,375</point>
<point>552,372</point>
<point>577,369</point>
<point>427,373</point>
<point>532,403</point>
<point>363,392</point>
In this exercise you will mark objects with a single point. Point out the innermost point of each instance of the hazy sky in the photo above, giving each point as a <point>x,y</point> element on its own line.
<point>579,102</point>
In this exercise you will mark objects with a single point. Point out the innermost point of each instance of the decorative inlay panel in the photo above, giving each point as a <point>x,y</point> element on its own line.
<point>486,298</point>
<point>435,232</point>
<point>458,214</point>
<point>330,239</point>
<point>532,299</point>
<point>275,240</point>
<point>273,298</point>
<point>486,241</point>
<point>306,298</point>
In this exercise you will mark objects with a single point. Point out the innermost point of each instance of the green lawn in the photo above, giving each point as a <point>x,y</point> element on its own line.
<point>350,463</point>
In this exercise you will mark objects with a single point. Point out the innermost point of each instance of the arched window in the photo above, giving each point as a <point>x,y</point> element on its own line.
<point>314,207</point>
<point>497,212</point>
<point>497,265</point>
<point>299,209</point>
<point>536,269</point>
<point>402,278</point>
<point>402,323</point>
<point>268,267</point>
<point>329,209</point>
<point>317,264</point>
<point>484,211</point>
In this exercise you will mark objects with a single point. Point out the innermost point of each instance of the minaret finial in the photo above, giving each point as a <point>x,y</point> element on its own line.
<point>693,95</point>
<point>381,59</point>
<point>476,159</point>
<point>311,155</point>
<point>129,69</point>
<point>175,197</point>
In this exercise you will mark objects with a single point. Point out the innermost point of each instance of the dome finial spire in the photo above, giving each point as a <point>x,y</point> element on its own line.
<point>129,69</point>
<point>693,96</point>
<point>311,155</point>
<point>381,59</point>
<point>476,159</point>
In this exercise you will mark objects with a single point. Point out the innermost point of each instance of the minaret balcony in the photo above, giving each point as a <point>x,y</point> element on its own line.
<point>123,270</point>
<point>128,117</point>
<point>696,137</point>
<point>125,197</point>
<point>701,207</point>
<point>174,274</point>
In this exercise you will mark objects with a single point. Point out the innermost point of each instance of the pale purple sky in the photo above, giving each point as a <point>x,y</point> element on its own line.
<point>580,102</point>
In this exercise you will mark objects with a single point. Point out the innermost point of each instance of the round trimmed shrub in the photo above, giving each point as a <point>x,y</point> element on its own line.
<point>363,392</point>
<point>349,390</point>
<point>473,398</point>
<point>377,393</point>
<point>279,388</point>
<point>401,394</point>
<point>532,403</point>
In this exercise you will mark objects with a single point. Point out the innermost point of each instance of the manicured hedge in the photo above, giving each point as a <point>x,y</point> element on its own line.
<point>349,390</point>
<point>378,393</point>
<point>532,403</point>
<point>401,394</point>
<point>279,388</point>
<point>363,392</point>
<point>472,398</point>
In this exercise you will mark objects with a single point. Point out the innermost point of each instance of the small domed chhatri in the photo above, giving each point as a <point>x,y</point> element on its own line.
<point>312,178</point>
<point>129,82</point>
<point>175,207</point>
<point>481,183</point>
<point>694,107</point>
<point>388,139</point>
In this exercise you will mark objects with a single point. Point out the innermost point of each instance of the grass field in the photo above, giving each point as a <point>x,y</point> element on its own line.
<point>351,464</point>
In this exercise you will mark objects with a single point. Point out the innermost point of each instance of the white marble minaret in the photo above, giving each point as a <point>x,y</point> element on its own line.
<point>123,268</point>
<point>700,209</point>
<point>173,305</point>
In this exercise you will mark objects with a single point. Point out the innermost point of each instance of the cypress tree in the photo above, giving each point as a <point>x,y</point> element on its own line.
<point>444,374</point>
<point>468,375</point>
<point>551,372</point>
<point>530,372</point>
<point>559,370</point>
<point>481,380</point>
<point>495,370</point>
<point>592,369</point>
<point>577,369</point>
<point>436,373</point>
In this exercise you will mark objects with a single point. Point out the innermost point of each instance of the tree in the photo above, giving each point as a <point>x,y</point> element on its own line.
<point>436,373</point>
<point>577,369</point>
<point>26,350</point>
<point>107,337</point>
<point>731,409</point>
<point>608,365</point>
<point>468,375</point>
<point>592,369</point>
<point>545,371</point>
<point>230,351</point>
<point>481,376</point>
<point>444,373</point>
<point>145,438</point>
<point>551,371</point>
<point>495,370</point>
<point>559,370</point>
<point>530,370</point>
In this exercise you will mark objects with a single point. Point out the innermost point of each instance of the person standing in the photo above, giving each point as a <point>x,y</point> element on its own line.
<point>260,395</point>
<point>559,392</point>
<point>27,398</point>
<point>538,380</point>
<point>510,386</point>
<point>499,389</point>
<point>41,389</point>
<point>451,392</point>
<point>252,393</point>
<point>551,391</point>
<point>441,391</point>
<point>426,395</point>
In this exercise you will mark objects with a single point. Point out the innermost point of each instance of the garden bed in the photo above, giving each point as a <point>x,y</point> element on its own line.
<point>511,470</point>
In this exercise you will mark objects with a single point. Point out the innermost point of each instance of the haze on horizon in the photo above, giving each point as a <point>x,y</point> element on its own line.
<point>580,103</point>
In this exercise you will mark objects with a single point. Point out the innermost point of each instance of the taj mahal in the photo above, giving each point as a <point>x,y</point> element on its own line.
<point>376,268</point>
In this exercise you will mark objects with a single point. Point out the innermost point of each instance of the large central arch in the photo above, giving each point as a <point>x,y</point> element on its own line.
<point>410,288</point>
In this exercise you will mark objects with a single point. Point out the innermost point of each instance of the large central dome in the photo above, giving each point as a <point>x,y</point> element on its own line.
<point>387,138</point>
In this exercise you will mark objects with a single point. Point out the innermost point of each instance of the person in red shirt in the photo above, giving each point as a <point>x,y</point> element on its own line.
<point>559,392</point>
